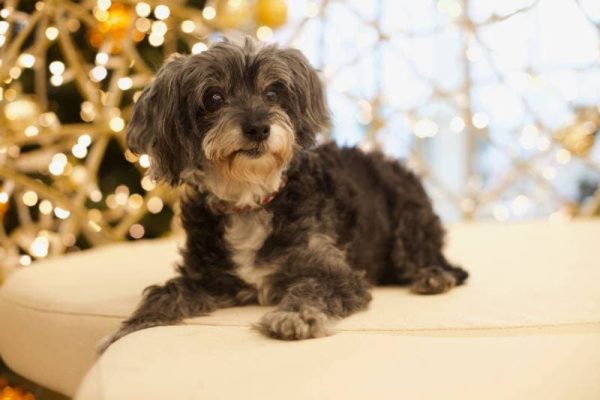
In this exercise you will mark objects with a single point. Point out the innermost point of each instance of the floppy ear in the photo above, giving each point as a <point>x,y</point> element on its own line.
<point>312,113</point>
<point>159,123</point>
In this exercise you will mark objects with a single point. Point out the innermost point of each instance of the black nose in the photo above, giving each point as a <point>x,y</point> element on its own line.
<point>257,132</point>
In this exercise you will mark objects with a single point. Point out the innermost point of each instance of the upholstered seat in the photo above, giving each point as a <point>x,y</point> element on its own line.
<point>527,325</point>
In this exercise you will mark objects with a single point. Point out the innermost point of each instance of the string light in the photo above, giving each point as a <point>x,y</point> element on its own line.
<point>143,9</point>
<point>159,28</point>
<point>47,119</point>
<point>30,198</point>
<point>144,161</point>
<point>95,196</point>
<point>45,207</point>
<point>104,4</point>
<point>79,151</point>
<point>125,83</point>
<point>56,80</point>
<point>563,156</point>
<point>135,201</point>
<point>98,73</point>
<point>188,26</point>
<point>61,213</point>
<point>425,128</point>
<point>116,124</point>
<point>25,260</point>
<point>480,120</point>
<point>529,137</point>
<point>209,13</point>
<point>137,231</point>
<point>31,131</point>
<point>199,47</point>
<point>264,33</point>
<point>15,72</point>
<point>51,33</point>
<point>57,68</point>
<point>58,164</point>
<point>148,184</point>
<point>155,205</point>
<point>39,246</point>
<point>88,111</point>
<point>156,40</point>
<point>26,60</point>
<point>162,12</point>
<point>101,58</point>
<point>143,24</point>
<point>79,174</point>
<point>84,140</point>
<point>543,143</point>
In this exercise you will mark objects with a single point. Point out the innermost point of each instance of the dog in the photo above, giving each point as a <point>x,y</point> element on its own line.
<point>270,217</point>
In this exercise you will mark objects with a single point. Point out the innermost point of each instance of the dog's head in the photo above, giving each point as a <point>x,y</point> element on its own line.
<point>239,111</point>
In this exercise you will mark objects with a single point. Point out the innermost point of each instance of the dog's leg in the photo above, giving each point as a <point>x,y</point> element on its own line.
<point>168,304</point>
<point>317,288</point>
<point>417,256</point>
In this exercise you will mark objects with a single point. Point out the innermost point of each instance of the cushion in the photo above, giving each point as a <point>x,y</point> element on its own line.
<point>530,312</point>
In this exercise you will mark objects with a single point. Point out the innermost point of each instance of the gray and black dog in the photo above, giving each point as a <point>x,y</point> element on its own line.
<point>269,217</point>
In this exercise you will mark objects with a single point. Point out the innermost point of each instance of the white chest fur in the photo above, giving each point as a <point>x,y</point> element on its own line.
<point>245,234</point>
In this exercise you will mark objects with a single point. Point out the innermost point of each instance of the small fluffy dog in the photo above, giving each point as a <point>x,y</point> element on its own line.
<point>270,218</point>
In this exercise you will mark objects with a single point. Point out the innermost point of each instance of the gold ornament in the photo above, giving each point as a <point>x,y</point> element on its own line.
<point>231,14</point>
<point>113,26</point>
<point>579,137</point>
<point>272,13</point>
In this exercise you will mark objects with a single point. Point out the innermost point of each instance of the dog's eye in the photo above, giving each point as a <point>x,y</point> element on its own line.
<point>214,100</point>
<point>271,96</point>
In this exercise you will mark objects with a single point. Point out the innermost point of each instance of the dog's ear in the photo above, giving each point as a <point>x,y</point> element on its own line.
<point>312,110</point>
<point>159,122</point>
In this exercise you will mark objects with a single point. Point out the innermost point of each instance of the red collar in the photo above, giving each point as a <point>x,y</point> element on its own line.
<point>225,207</point>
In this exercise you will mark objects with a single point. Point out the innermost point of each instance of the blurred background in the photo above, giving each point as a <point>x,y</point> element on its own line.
<point>494,103</point>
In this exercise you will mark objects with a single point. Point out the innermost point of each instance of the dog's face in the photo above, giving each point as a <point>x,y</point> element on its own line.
<point>237,111</point>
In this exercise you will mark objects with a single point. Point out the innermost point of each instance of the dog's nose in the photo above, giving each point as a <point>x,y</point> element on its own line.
<point>257,132</point>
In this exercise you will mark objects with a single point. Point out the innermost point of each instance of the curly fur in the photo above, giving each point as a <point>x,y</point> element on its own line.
<point>341,222</point>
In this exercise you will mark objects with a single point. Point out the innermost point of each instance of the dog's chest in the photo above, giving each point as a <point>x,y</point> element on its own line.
<point>245,234</point>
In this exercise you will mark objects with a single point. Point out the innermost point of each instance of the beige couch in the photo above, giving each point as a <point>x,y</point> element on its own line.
<point>527,326</point>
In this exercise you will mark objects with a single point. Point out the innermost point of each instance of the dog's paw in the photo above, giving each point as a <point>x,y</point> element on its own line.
<point>433,280</point>
<point>295,325</point>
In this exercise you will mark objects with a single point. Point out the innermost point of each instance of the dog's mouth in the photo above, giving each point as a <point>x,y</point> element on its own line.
<point>252,152</point>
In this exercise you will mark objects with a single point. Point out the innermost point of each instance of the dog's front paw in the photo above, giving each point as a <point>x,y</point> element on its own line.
<point>433,280</point>
<point>295,325</point>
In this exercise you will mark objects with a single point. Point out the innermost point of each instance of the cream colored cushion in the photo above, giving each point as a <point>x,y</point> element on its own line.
<point>527,325</point>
